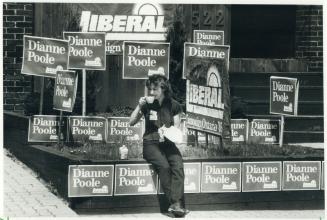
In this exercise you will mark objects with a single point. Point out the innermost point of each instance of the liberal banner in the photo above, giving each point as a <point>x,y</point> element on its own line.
<point>264,131</point>
<point>208,37</point>
<point>90,180</point>
<point>45,128</point>
<point>143,59</point>
<point>44,56</point>
<point>135,179</point>
<point>86,128</point>
<point>126,22</point>
<point>284,94</point>
<point>65,91</point>
<point>207,88</point>
<point>86,50</point>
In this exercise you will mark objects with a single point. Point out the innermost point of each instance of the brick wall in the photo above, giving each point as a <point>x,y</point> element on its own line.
<point>309,36</point>
<point>17,21</point>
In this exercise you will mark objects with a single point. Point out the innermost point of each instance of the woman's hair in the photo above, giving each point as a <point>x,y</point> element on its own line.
<point>162,81</point>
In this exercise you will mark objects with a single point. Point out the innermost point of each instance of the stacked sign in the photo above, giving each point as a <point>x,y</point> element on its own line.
<point>143,59</point>
<point>44,56</point>
<point>239,130</point>
<point>84,128</point>
<point>135,179</point>
<point>90,180</point>
<point>119,128</point>
<point>208,37</point>
<point>86,51</point>
<point>207,88</point>
<point>44,128</point>
<point>264,131</point>
<point>65,91</point>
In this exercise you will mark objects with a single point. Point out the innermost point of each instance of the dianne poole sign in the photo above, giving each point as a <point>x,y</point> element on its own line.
<point>126,22</point>
<point>261,176</point>
<point>135,179</point>
<point>86,50</point>
<point>118,128</point>
<point>208,37</point>
<point>221,177</point>
<point>192,172</point>
<point>142,59</point>
<point>283,95</point>
<point>239,130</point>
<point>44,56</point>
<point>65,90</point>
<point>90,180</point>
<point>45,128</point>
<point>207,88</point>
<point>264,131</point>
<point>84,128</point>
<point>301,175</point>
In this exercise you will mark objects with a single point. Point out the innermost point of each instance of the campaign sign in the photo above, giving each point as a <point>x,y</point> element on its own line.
<point>65,91</point>
<point>45,128</point>
<point>301,175</point>
<point>264,131</point>
<point>239,129</point>
<point>221,177</point>
<point>119,128</point>
<point>86,50</point>
<point>44,56</point>
<point>207,88</point>
<point>208,37</point>
<point>261,176</point>
<point>114,47</point>
<point>90,180</point>
<point>135,179</point>
<point>192,172</point>
<point>322,175</point>
<point>85,128</point>
<point>284,94</point>
<point>143,59</point>
<point>190,136</point>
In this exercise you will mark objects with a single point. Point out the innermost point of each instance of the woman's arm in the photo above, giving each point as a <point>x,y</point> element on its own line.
<point>137,113</point>
<point>177,121</point>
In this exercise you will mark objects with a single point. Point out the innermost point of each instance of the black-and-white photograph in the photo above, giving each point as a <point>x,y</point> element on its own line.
<point>159,110</point>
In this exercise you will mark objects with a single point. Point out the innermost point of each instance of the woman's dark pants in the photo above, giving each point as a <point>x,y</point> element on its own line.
<point>168,163</point>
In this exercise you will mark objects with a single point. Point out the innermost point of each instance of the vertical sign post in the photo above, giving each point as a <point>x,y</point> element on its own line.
<point>87,52</point>
<point>84,93</point>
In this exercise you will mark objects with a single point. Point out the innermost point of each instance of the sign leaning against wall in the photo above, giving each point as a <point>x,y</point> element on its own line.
<point>207,88</point>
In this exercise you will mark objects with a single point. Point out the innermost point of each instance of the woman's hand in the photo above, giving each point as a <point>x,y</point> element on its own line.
<point>142,101</point>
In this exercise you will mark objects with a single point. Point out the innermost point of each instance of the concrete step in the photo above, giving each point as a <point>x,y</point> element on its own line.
<point>263,79</point>
<point>304,107</point>
<point>303,136</point>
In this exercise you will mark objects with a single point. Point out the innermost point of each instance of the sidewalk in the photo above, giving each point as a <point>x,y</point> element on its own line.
<point>26,196</point>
